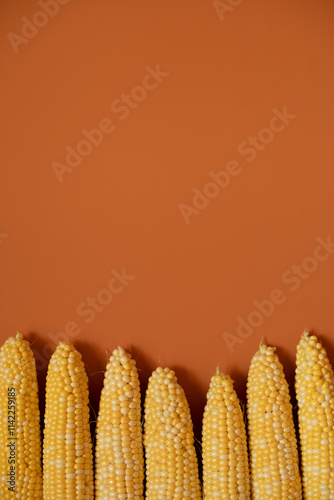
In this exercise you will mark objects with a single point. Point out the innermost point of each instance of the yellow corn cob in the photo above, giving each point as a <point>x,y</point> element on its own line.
<point>20,434</point>
<point>224,443</point>
<point>171,461</point>
<point>119,443</point>
<point>272,436</point>
<point>314,384</point>
<point>67,446</point>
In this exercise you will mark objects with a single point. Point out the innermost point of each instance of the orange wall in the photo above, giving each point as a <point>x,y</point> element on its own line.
<point>207,182</point>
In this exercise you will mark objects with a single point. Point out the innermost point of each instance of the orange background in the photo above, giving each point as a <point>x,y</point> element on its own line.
<point>224,73</point>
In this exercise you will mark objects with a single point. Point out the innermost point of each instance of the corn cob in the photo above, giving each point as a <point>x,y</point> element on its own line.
<point>67,447</point>
<point>314,384</point>
<point>224,443</point>
<point>272,437</point>
<point>20,434</point>
<point>119,443</point>
<point>171,461</point>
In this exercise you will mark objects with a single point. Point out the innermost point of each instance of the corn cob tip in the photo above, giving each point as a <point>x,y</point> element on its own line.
<point>266,349</point>
<point>224,376</point>
<point>19,336</point>
<point>221,379</point>
<point>262,346</point>
<point>306,333</point>
<point>118,352</point>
